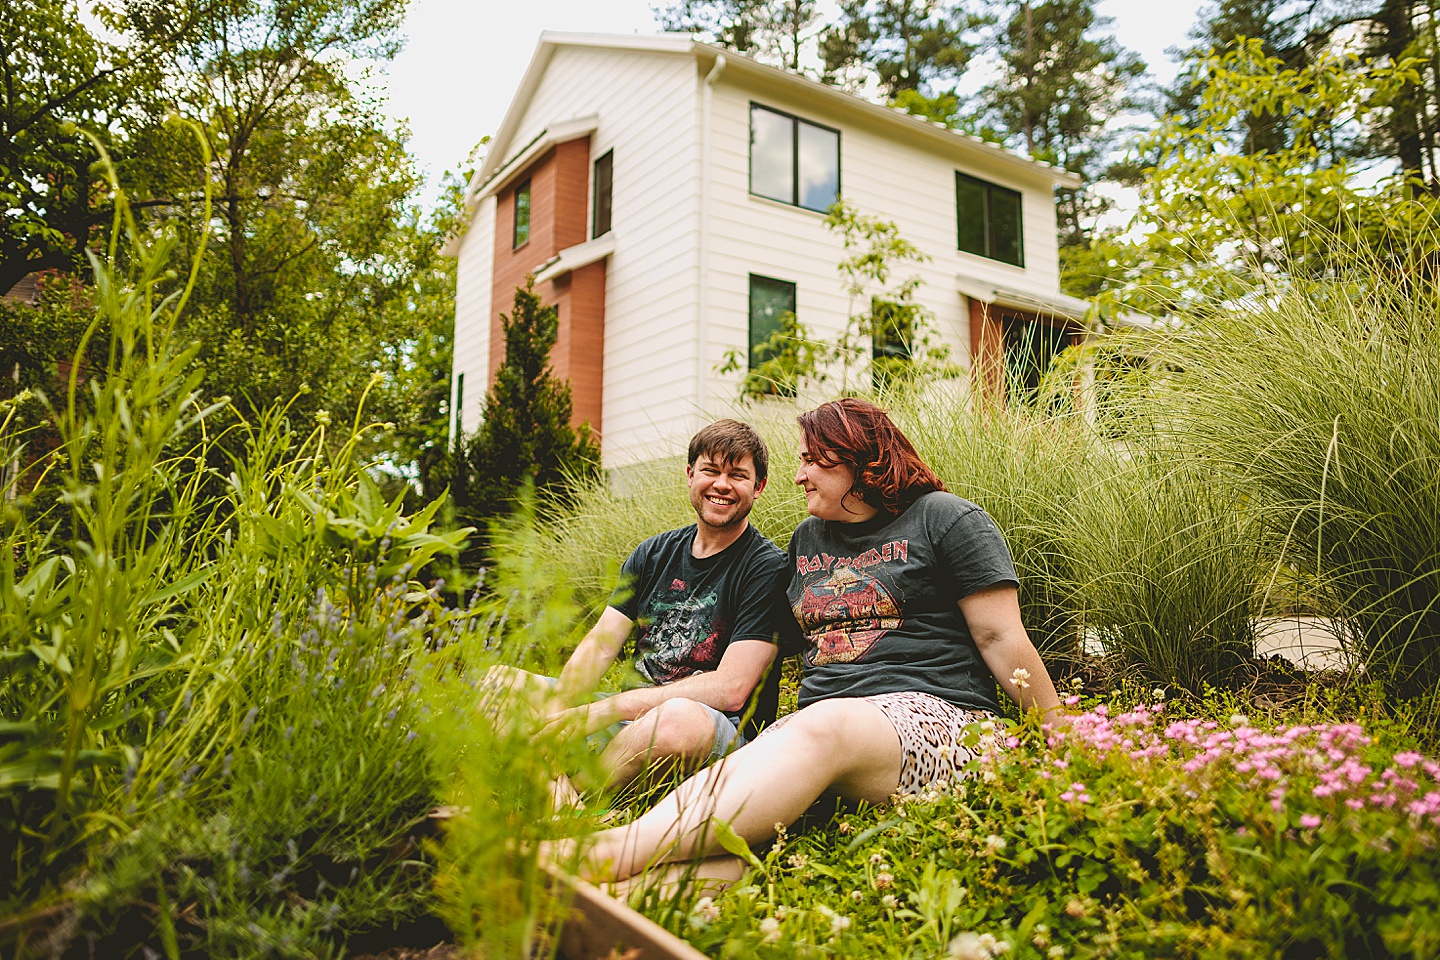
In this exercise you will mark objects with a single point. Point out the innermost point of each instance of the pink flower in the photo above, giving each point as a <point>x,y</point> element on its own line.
<point>1408,759</point>
<point>1309,821</point>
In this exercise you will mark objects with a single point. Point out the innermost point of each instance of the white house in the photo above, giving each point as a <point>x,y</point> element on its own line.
<point>668,197</point>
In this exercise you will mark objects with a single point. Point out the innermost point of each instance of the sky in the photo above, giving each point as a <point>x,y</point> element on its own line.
<point>463,60</point>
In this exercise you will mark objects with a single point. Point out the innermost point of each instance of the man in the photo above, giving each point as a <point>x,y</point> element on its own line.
<point>709,601</point>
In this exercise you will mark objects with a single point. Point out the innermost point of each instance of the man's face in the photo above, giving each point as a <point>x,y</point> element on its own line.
<point>722,493</point>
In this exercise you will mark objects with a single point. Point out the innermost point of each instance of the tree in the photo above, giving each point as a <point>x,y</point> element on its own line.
<point>1285,30</point>
<point>525,431</point>
<point>1210,216</point>
<point>1060,88</point>
<point>779,31</point>
<point>58,83</point>
<point>908,45</point>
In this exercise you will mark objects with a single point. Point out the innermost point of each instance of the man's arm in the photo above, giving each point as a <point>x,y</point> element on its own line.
<point>582,672</point>
<point>993,615</point>
<point>726,688</point>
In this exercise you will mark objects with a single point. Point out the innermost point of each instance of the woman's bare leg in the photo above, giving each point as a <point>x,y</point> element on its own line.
<point>844,745</point>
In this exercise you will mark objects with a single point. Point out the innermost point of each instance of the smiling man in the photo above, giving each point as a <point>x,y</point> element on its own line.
<point>707,606</point>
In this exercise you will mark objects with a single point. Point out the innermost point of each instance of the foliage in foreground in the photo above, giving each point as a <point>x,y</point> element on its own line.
<point>229,706</point>
<point>1134,833</point>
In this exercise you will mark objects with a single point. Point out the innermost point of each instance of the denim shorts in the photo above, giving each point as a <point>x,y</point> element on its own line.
<point>727,728</point>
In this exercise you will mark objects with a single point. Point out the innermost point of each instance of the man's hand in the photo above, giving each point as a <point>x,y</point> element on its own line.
<point>578,721</point>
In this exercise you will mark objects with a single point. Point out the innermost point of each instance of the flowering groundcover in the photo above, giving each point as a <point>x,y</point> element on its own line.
<point>1120,834</point>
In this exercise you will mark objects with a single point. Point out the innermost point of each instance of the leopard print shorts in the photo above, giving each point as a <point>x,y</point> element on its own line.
<point>931,732</point>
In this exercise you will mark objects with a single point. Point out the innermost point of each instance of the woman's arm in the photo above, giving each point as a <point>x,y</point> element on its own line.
<point>993,615</point>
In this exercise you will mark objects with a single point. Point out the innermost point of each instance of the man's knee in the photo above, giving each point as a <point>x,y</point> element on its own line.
<point>679,728</point>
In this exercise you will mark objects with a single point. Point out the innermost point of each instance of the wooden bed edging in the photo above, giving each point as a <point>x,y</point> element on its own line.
<point>602,928</point>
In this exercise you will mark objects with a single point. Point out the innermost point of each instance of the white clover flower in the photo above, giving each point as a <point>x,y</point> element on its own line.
<point>1021,678</point>
<point>967,946</point>
<point>838,925</point>
<point>888,901</point>
<point>1158,693</point>
<point>1239,720</point>
<point>705,912</point>
<point>770,930</point>
<point>994,844</point>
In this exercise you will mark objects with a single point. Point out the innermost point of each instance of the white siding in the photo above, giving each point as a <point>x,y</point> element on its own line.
<point>910,184</point>
<point>473,276</point>
<point>648,114</point>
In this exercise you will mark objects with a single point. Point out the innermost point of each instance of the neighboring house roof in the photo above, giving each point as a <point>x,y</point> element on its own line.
<point>504,157</point>
<point>26,291</point>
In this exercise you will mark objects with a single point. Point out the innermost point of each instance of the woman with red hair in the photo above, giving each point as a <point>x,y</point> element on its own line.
<point>906,599</point>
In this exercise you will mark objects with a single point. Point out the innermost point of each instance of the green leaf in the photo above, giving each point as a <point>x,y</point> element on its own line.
<point>735,844</point>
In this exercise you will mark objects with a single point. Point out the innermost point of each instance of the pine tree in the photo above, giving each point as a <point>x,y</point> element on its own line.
<point>526,432</point>
<point>907,44</point>
<point>1062,82</point>
<point>777,31</point>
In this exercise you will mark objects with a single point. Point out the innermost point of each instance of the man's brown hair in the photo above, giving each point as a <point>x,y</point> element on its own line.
<point>729,442</point>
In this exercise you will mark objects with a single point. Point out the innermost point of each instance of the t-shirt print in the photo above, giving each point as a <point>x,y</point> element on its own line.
<point>845,614</point>
<point>670,650</point>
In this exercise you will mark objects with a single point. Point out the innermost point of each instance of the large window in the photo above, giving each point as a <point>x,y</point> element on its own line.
<point>793,160</point>
<point>989,220</point>
<point>604,187</point>
<point>771,301</point>
<point>522,215</point>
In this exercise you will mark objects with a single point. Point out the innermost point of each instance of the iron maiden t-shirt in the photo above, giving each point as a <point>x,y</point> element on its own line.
<point>877,601</point>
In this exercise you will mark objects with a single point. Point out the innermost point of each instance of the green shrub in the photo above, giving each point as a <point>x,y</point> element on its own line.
<point>1171,571</point>
<point>1323,401</point>
<point>211,738</point>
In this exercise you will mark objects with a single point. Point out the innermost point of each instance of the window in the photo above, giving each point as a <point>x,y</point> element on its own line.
<point>604,185</point>
<point>459,407</point>
<point>793,160</point>
<point>989,220</point>
<point>771,301</point>
<point>522,215</point>
<point>1031,345</point>
<point>892,331</point>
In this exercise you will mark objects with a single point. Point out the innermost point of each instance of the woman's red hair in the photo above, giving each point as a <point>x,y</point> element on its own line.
<point>889,474</point>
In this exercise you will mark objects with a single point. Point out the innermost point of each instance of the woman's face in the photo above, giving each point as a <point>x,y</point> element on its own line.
<point>827,486</point>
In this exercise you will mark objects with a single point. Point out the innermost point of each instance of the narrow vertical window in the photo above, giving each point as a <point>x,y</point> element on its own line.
<point>459,406</point>
<point>522,215</point>
<point>988,220</point>
<point>604,187</point>
<point>771,302</point>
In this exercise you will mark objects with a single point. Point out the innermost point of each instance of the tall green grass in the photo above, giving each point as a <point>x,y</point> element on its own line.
<point>1026,466</point>
<point>228,701</point>
<point>1322,399</point>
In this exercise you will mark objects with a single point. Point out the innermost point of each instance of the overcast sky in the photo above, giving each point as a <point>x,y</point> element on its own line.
<point>463,60</point>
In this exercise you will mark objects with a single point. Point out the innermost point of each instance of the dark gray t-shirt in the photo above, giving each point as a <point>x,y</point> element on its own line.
<point>876,601</point>
<point>689,610</point>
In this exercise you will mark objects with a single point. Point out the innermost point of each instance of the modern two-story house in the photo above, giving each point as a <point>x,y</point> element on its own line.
<point>668,196</point>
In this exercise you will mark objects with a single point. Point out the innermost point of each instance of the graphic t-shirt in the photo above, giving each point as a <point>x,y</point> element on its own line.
<point>876,601</point>
<point>688,610</point>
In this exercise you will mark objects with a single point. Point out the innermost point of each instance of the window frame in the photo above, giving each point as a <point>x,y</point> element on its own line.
<point>795,122</point>
<point>516,242</point>
<point>595,230</point>
<point>987,219</point>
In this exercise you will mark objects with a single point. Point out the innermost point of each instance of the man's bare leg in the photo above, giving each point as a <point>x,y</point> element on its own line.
<point>677,733</point>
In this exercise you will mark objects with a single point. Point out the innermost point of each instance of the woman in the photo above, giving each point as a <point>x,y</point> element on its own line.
<point>906,597</point>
